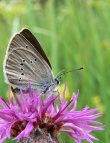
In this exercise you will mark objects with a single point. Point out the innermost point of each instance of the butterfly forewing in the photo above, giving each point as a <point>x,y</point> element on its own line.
<point>20,41</point>
<point>31,38</point>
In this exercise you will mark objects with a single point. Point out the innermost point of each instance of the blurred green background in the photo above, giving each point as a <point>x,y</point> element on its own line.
<point>73,33</point>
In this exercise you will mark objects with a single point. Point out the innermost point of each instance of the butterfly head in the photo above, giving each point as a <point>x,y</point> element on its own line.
<point>57,82</point>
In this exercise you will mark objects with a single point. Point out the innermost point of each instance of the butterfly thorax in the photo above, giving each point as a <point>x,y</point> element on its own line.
<point>52,87</point>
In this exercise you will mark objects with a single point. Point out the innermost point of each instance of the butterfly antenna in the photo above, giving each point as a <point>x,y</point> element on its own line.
<point>61,72</point>
<point>70,71</point>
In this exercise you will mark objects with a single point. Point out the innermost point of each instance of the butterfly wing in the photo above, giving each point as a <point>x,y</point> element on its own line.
<point>30,37</point>
<point>24,63</point>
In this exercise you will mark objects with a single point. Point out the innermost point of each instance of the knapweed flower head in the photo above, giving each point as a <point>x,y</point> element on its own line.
<point>24,113</point>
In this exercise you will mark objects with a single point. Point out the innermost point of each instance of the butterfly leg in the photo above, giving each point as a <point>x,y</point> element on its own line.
<point>15,90</point>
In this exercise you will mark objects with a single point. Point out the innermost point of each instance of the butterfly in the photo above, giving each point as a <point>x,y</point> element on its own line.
<point>26,62</point>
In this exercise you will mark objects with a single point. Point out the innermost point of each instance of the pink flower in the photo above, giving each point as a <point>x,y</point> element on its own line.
<point>25,112</point>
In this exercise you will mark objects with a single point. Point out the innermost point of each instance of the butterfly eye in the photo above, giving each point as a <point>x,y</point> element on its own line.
<point>57,81</point>
<point>31,62</point>
<point>26,46</point>
<point>35,59</point>
<point>21,69</point>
